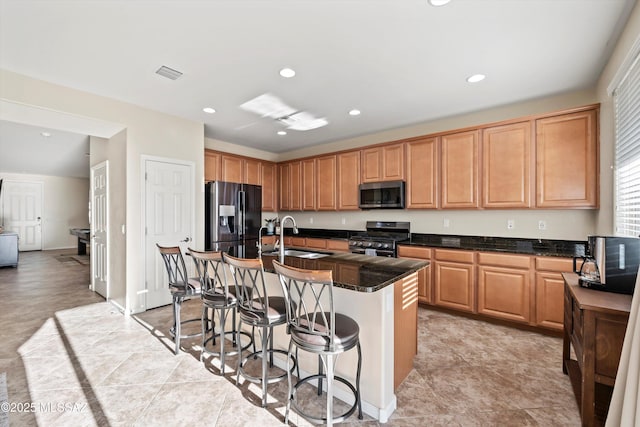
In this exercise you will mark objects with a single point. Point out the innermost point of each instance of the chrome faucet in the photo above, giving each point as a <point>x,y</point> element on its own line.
<point>295,231</point>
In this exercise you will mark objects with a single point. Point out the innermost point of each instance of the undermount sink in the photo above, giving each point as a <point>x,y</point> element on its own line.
<point>299,254</point>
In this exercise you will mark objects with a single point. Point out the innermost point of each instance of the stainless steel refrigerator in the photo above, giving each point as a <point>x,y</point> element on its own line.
<point>233,216</point>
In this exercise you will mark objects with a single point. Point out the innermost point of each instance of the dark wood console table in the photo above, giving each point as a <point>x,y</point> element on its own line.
<point>83,239</point>
<point>594,324</point>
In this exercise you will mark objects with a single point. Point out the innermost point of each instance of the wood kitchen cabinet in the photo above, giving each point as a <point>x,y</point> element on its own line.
<point>269,187</point>
<point>549,290</point>
<point>284,185</point>
<point>506,166</point>
<point>504,288</point>
<point>348,169</point>
<point>422,173</point>
<point>308,184</point>
<point>567,168</point>
<point>252,171</point>
<point>454,279</point>
<point>425,288</point>
<point>212,170</point>
<point>295,186</point>
<point>326,183</point>
<point>459,167</point>
<point>383,163</point>
<point>232,168</point>
<point>405,321</point>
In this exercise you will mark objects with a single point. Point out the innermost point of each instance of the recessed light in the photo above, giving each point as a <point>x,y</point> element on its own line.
<point>354,112</point>
<point>287,73</point>
<point>281,132</point>
<point>209,110</point>
<point>45,134</point>
<point>476,78</point>
<point>438,2</point>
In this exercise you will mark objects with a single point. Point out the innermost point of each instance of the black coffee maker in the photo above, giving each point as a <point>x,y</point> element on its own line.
<point>611,264</point>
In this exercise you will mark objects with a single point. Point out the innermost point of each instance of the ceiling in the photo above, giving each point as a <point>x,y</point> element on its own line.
<point>400,62</point>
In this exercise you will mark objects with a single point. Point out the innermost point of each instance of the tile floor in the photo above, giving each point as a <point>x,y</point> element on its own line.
<point>63,347</point>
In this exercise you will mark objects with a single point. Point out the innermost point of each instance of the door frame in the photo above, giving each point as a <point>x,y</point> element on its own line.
<point>92,224</point>
<point>146,258</point>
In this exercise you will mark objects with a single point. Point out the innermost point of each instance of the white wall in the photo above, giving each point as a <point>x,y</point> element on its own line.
<point>64,206</point>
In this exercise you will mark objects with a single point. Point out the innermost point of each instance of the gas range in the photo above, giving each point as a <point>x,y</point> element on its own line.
<point>380,239</point>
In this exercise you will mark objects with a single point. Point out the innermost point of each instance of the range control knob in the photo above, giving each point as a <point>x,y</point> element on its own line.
<point>379,245</point>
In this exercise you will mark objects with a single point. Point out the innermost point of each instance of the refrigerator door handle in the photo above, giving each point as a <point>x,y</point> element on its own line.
<point>240,224</point>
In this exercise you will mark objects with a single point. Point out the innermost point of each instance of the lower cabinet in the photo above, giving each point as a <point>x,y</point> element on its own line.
<point>504,286</point>
<point>550,290</point>
<point>455,279</point>
<point>425,288</point>
<point>405,320</point>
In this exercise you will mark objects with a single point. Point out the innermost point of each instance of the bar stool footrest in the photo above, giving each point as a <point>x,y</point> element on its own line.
<point>323,420</point>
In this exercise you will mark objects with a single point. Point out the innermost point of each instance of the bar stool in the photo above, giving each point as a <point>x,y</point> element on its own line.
<point>181,287</point>
<point>315,327</point>
<point>263,312</point>
<point>216,296</point>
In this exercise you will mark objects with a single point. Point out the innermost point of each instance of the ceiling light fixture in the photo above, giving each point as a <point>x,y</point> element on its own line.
<point>267,105</point>
<point>45,134</point>
<point>354,112</point>
<point>209,110</point>
<point>281,132</point>
<point>438,2</point>
<point>287,73</point>
<point>476,78</point>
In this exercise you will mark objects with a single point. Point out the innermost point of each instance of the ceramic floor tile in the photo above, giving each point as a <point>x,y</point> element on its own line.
<point>143,368</point>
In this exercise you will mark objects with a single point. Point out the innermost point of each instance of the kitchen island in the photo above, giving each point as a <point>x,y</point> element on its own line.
<point>381,295</point>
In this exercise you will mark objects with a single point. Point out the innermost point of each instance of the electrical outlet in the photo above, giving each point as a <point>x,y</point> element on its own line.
<point>446,223</point>
<point>344,221</point>
<point>311,220</point>
<point>511,224</point>
<point>542,225</point>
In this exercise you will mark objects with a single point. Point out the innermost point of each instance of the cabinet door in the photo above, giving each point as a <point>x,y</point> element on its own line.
<point>425,287</point>
<point>232,168</point>
<point>211,166</point>
<point>348,180</point>
<point>567,160</point>
<point>459,170</point>
<point>252,172</point>
<point>371,164</point>
<point>504,293</point>
<point>295,186</point>
<point>405,320</point>
<point>422,174</point>
<point>506,161</point>
<point>454,285</point>
<point>326,183</point>
<point>549,300</point>
<point>269,193</point>
<point>309,185</point>
<point>393,162</point>
<point>284,170</point>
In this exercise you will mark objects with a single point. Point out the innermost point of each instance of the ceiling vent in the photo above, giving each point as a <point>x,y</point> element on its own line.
<point>169,73</point>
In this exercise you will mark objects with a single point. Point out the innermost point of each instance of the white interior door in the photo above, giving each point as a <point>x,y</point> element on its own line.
<point>169,214</point>
<point>22,212</point>
<point>100,229</point>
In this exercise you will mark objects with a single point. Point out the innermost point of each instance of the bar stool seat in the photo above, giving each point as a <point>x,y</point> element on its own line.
<point>317,330</point>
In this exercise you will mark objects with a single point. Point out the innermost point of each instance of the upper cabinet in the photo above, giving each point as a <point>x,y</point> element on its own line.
<point>506,166</point>
<point>232,168</point>
<point>269,185</point>
<point>348,180</point>
<point>212,165</point>
<point>284,173</point>
<point>308,184</point>
<point>326,183</point>
<point>567,172</point>
<point>252,172</point>
<point>295,186</point>
<point>422,173</point>
<point>459,163</point>
<point>383,163</point>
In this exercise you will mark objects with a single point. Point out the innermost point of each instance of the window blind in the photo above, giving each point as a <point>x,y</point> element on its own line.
<point>627,153</point>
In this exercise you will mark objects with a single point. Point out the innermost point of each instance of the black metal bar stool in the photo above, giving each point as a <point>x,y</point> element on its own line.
<point>181,287</point>
<point>218,297</point>
<point>263,312</point>
<point>315,327</point>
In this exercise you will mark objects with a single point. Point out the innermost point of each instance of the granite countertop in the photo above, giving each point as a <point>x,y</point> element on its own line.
<point>360,273</point>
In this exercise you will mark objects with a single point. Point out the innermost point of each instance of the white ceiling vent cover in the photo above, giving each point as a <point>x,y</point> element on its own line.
<point>169,73</point>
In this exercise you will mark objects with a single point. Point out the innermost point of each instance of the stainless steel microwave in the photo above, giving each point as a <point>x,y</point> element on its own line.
<point>382,195</point>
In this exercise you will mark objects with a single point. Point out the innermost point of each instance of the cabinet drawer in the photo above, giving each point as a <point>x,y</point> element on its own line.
<point>316,243</point>
<point>560,265</point>
<point>503,260</point>
<point>338,245</point>
<point>298,241</point>
<point>414,252</point>
<point>454,256</point>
